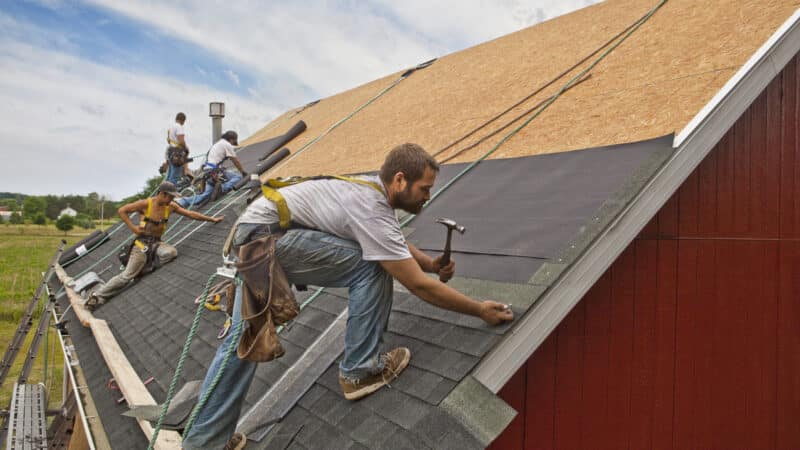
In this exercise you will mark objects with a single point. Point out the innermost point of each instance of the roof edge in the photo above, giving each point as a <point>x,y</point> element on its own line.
<point>693,143</point>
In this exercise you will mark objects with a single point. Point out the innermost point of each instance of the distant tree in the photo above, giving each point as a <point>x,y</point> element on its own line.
<point>10,203</point>
<point>33,206</point>
<point>54,206</point>
<point>84,221</point>
<point>40,219</point>
<point>2,220</point>
<point>65,223</point>
<point>15,219</point>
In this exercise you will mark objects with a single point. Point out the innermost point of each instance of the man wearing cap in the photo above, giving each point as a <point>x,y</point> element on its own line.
<point>147,246</point>
<point>220,152</point>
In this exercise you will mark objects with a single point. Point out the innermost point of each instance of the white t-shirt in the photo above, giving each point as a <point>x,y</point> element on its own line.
<point>174,131</point>
<point>221,150</point>
<point>348,210</point>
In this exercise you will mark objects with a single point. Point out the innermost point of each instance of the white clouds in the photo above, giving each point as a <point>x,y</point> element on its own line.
<point>71,126</point>
<point>61,115</point>
<point>232,76</point>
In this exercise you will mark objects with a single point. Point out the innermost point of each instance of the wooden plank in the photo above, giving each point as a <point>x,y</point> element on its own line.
<point>569,407</point>
<point>131,386</point>
<point>79,440</point>
<point>788,348</point>
<point>595,370</point>
<point>83,314</point>
<point>620,347</point>
<point>687,306</point>
<point>664,381</point>
<point>644,344</point>
<point>788,129</point>
<point>539,423</point>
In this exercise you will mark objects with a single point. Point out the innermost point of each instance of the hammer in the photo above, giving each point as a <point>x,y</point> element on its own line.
<point>451,225</point>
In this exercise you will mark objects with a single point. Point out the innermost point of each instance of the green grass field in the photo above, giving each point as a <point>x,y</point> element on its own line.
<point>25,251</point>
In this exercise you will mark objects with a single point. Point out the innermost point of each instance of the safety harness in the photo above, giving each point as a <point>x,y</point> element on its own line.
<point>271,191</point>
<point>147,243</point>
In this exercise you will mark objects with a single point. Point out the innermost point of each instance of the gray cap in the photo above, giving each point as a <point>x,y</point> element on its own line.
<point>168,188</point>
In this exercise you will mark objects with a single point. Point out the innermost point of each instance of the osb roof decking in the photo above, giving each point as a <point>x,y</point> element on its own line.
<point>652,85</point>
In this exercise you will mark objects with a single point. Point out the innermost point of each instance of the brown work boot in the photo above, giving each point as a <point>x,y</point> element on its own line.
<point>93,302</point>
<point>393,363</point>
<point>236,442</point>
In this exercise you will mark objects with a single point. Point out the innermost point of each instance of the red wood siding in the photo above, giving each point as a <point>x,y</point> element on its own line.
<point>692,338</point>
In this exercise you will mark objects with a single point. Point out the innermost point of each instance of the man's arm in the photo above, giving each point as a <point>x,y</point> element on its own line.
<point>409,273</point>
<point>194,214</point>
<point>431,265</point>
<point>238,164</point>
<point>130,208</point>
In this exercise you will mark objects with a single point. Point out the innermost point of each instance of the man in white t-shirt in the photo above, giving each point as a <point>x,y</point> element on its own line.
<point>177,153</point>
<point>223,150</point>
<point>343,234</point>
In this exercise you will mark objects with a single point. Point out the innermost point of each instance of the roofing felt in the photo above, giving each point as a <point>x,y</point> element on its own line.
<point>651,85</point>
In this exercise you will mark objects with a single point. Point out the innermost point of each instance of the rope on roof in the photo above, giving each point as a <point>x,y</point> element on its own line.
<point>380,94</point>
<point>549,102</point>
<point>535,92</point>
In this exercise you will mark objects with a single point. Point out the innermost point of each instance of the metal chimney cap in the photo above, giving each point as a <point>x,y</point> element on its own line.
<point>216,109</point>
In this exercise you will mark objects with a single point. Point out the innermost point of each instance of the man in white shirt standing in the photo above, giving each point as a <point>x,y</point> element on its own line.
<point>224,149</point>
<point>177,154</point>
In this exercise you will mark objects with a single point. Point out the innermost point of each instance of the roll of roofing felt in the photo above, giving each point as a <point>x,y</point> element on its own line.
<point>82,247</point>
<point>261,168</point>
<point>272,160</point>
<point>293,132</point>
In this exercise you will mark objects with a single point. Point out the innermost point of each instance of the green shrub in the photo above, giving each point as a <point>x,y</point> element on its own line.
<point>65,223</point>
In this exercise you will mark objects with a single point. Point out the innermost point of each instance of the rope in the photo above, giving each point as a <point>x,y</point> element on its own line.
<point>179,368</point>
<point>538,90</point>
<point>549,102</point>
<point>402,77</point>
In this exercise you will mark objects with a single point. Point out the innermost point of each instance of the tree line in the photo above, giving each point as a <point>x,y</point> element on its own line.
<point>38,209</point>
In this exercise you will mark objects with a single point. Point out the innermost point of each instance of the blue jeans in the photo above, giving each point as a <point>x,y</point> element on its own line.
<point>307,257</point>
<point>174,174</point>
<point>232,177</point>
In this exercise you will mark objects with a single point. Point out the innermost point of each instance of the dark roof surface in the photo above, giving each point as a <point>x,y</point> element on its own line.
<point>521,215</point>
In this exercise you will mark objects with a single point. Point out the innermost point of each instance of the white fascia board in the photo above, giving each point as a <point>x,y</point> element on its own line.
<point>693,144</point>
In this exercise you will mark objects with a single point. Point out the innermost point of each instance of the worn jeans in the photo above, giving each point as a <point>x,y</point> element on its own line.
<point>307,257</point>
<point>136,262</point>
<point>232,178</point>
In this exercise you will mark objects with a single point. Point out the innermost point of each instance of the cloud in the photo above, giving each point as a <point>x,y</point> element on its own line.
<point>61,118</point>
<point>232,76</point>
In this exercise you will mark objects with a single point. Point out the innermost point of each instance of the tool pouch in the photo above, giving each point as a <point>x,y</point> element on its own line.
<point>267,300</point>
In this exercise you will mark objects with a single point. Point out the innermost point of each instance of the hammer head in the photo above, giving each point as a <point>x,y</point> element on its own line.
<point>451,224</point>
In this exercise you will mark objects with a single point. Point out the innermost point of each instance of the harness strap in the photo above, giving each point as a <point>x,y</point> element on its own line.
<point>149,212</point>
<point>270,189</point>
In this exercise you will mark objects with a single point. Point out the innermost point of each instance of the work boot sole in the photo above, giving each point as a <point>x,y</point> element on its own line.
<point>369,389</point>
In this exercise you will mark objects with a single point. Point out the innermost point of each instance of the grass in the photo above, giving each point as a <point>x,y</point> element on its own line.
<point>25,251</point>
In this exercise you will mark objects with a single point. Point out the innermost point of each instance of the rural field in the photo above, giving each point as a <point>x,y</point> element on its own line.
<point>25,251</point>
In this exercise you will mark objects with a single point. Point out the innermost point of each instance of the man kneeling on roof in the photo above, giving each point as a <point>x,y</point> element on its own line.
<point>224,149</point>
<point>147,248</point>
<point>344,233</point>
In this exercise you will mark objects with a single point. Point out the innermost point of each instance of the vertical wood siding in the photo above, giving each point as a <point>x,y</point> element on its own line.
<point>692,338</point>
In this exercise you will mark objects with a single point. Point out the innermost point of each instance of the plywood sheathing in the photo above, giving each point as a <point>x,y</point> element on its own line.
<point>651,85</point>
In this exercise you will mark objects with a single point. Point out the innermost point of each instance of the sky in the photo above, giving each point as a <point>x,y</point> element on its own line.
<point>89,87</point>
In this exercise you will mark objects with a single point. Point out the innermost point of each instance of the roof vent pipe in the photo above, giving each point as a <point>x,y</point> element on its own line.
<point>216,110</point>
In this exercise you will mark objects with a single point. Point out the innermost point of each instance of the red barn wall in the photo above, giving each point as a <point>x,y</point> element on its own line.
<point>691,339</point>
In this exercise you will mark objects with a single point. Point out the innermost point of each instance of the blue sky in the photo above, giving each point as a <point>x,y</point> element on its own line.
<point>89,87</point>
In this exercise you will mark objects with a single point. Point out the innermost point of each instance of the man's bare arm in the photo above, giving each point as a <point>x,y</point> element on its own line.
<point>238,164</point>
<point>194,214</point>
<point>125,210</point>
<point>431,265</point>
<point>410,275</point>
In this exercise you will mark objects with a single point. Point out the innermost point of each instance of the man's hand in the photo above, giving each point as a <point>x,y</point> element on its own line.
<point>446,272</point>
<point>495,313</point>
<point>218,219</point>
